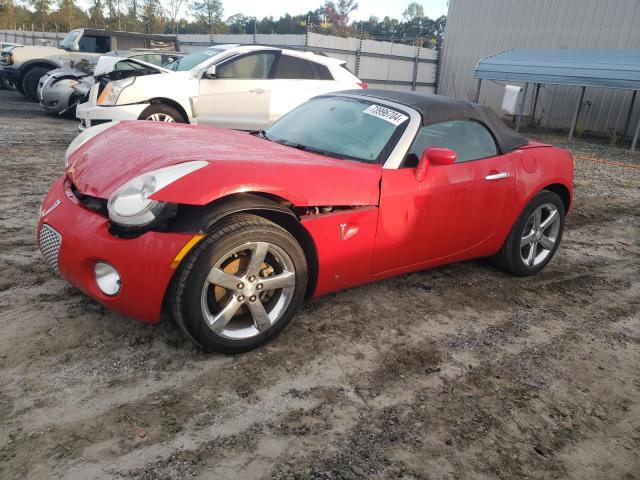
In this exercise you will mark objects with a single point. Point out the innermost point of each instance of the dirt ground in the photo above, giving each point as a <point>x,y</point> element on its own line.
<point>453,373</point>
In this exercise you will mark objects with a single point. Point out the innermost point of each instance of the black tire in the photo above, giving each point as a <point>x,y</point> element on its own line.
<point>30,82</point>
<point>509,258</point>
<point>187,286</point>
<point>162,109</point>
<point>6,84</point>
<point>18,87</point>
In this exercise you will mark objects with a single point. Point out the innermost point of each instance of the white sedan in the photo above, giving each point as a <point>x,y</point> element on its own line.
<point>228,86</point>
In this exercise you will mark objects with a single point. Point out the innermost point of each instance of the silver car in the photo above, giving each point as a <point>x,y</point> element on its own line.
<point>60,90</point>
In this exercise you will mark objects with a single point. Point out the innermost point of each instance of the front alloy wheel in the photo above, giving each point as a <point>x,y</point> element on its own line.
<point>247,290</point>
<point>240,286</point>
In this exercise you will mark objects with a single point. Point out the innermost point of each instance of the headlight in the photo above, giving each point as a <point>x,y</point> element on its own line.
<point>112,91</point>
<point>84,137</point>
<point>130,205</point>
<point>65,82</point>
<point>6,58</point>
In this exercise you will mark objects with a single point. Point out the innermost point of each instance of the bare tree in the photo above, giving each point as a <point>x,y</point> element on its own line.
<point>173,9</point>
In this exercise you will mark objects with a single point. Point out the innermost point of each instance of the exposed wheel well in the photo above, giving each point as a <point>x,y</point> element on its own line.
<point>271,207</point>
<point>174,104</point>
<point>562,192</point>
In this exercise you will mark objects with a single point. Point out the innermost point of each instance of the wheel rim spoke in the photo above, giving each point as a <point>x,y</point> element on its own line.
<point>527,239</point>
<point>168,119</point>
<point>258,256</point>
<point>260,316</point>
<point>532,253</point>
<point>223,279</point>
<point>537,217</point>
<point>282,280</point>
<point>546,242</point>
<point>550,220</point>
<point>219,321</point>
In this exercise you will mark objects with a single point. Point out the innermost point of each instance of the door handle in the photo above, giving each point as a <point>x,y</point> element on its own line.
<point>256,90</point>
<point>497,176</point>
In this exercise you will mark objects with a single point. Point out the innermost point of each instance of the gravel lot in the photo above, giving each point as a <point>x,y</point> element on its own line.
<point>457,372</point>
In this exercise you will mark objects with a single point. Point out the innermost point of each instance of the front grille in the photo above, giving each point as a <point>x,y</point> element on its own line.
<point>50,241</point>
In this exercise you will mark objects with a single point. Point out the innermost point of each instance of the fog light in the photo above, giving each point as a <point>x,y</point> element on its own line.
<point>107,278</point>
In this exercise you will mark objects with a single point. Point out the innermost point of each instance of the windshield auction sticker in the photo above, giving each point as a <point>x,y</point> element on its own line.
<point>387,114</point>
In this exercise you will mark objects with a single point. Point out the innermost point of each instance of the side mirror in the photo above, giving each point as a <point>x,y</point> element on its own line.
<point>434,156</point>
<point>210,72</point>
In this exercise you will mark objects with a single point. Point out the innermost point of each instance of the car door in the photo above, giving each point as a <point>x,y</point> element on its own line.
<point>455,209</point>
<point>296,80</point>
<point>239,95</point>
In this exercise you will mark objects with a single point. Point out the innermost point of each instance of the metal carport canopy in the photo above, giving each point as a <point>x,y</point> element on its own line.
<point>615,69</point>
<point>578,67</point>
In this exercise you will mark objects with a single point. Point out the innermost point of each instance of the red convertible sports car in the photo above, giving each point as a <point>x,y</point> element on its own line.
<point>229,231</point>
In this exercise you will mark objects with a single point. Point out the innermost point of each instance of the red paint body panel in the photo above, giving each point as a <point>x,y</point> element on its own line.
<point>143,262</point>
<point>343,263</point>
<point>238,162</point>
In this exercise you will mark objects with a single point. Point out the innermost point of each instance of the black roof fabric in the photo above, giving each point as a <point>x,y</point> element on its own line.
<point>438,109</point>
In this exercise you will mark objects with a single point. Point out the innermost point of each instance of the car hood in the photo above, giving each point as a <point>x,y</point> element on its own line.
<point>22,51</point>
<point>237,162</point>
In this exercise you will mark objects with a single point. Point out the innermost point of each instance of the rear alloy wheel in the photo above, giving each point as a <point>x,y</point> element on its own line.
<point>240,286</point>
<point>159,112</point>
<point>535,236</point>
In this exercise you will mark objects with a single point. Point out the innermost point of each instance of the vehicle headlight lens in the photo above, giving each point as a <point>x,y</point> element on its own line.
<point>6,58</point>
<point>131,204</point>
<point>112,91</point>
<point>65,82</point>
<point>84,137</point>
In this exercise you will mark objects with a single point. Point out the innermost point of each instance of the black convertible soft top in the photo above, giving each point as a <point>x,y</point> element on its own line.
<point>438,109</point>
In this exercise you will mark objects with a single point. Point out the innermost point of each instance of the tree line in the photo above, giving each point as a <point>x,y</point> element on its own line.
<point>207,16</point>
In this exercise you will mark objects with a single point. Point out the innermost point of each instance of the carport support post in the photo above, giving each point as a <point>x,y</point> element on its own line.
<point>635,136</point>
<point>478,85</point>
<point>576,114</point>
<point>524,97</point>
<point>626,124</point>
<point>532,117</point>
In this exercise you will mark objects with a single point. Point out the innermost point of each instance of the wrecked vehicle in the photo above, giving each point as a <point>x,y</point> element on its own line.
<point>25,65</point>
<point>230,86</point>
<point>229,231</point>
<point>60,90</point>
<point>4,82</point>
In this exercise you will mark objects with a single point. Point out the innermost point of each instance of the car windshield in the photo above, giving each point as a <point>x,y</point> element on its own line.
<point>341,127</point>
<point>67,42</point>
<point>189,61</point>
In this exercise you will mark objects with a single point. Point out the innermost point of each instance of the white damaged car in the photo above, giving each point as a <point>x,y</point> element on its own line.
<point>229,86</point>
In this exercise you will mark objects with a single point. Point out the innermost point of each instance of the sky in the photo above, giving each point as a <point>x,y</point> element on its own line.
<point>366,8</point>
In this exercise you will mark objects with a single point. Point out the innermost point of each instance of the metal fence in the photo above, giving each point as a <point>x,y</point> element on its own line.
<point>382,64</point>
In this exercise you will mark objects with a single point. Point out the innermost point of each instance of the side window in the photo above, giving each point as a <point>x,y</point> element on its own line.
<point>469,139</point>
<point>255,65</point>
<point>299,69</point>
<point>293,68</point>
<point>320,72</point>
<point>94,43</point>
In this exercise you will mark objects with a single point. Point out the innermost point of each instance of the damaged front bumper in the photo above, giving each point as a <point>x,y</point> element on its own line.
<point>73,239</point>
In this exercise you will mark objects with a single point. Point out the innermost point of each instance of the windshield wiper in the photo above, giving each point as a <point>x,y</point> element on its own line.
<point>262,134</point>
<point>305,148</point>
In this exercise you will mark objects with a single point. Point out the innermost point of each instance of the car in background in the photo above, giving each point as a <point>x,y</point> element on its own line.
<point>240,87</point>
<point>60,90</point>
<point>25,65</point>
<point>229,231</point>
<point>6,83</point>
